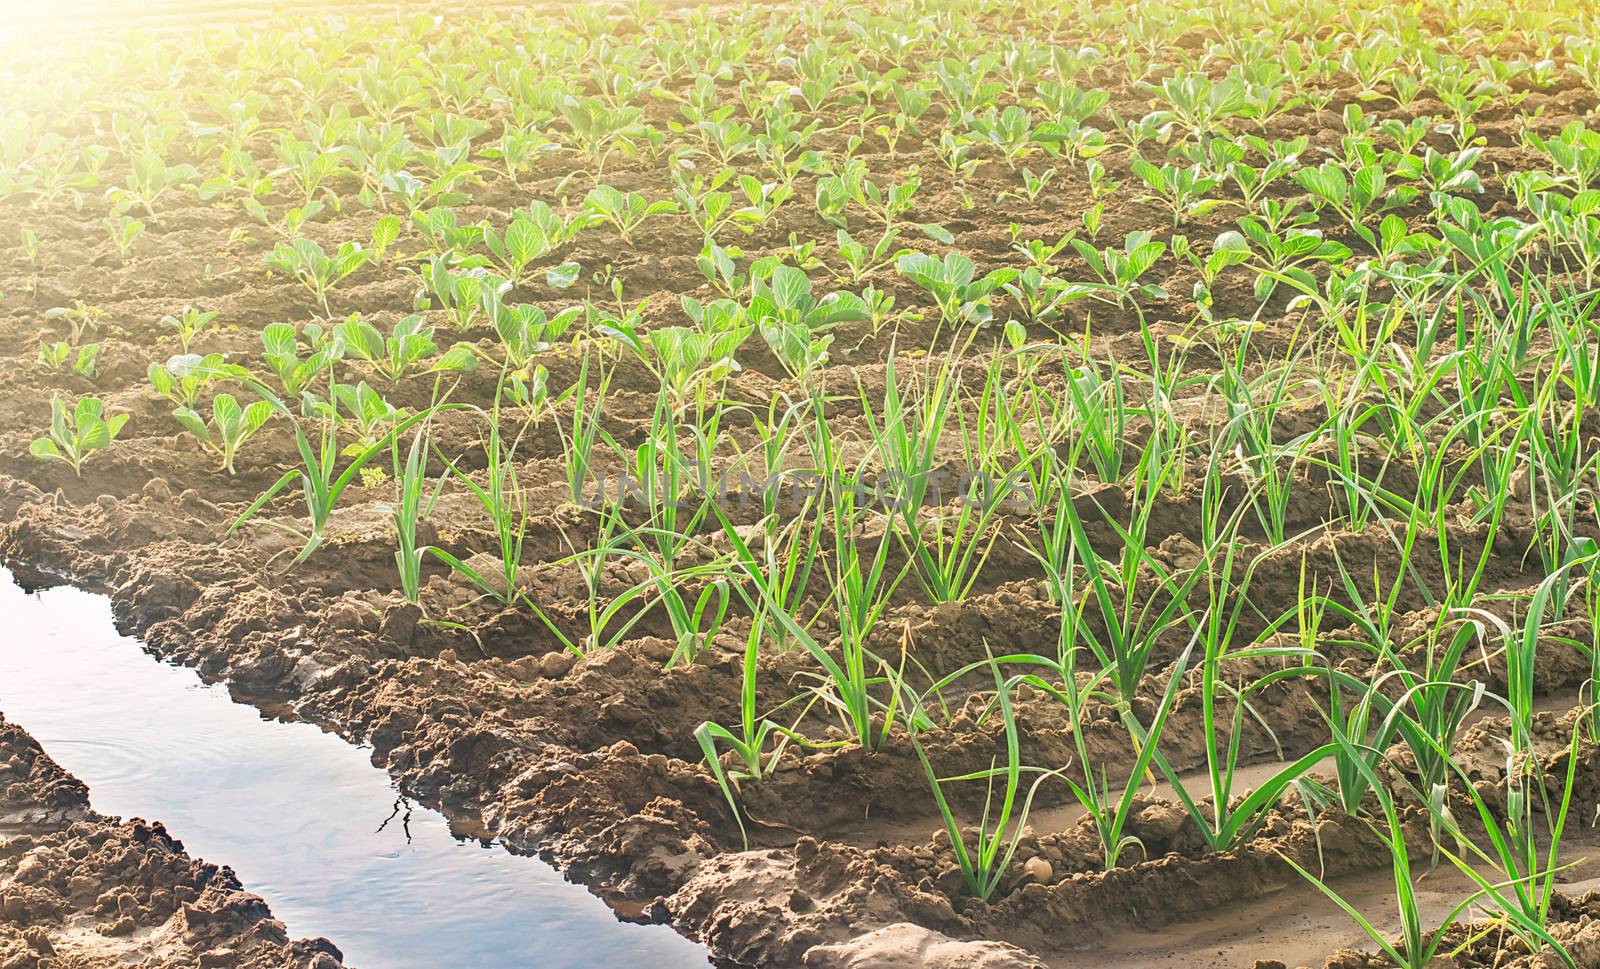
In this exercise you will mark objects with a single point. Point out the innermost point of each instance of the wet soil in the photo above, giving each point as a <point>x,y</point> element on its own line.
<point>303,817</point>
<point>80,890</point>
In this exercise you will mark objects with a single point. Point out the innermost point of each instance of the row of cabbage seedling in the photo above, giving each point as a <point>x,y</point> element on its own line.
<point>417,114</point>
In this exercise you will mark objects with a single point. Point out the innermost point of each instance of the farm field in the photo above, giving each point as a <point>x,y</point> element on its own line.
<point>930,484</point>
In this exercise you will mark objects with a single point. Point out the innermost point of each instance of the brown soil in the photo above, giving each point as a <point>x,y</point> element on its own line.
<point>592,762</point>
<point>79,890</point>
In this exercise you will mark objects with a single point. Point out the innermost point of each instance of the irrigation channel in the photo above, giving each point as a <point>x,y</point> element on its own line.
<point>304,818</point>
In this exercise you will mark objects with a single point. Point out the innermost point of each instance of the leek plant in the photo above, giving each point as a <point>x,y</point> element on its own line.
<point>503,500</point>
<point>1134,621</point>
<point>1107,801</point>
<point>756,732</point>
<point>661,487</point>
<point>412,506</point>
<point>860,585</point>
<point>948,547</point>
<point>984,863</point>
<point>790,545</point>
<point>1228,822</point>
<point>322,481</point>
<point>608,619</point>
<point>578,442</point>
<point>1417,947</point>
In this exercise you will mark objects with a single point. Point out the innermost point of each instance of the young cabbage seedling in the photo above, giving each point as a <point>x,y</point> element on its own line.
<point>124,231</point>
<point>409,344</point>
<point>188,324</point>
<point>77,433</point>
<point>625,211</point>
<point>319,272</point>
<point>55,356</point>
<point>963,297</point>
<point>231,425</point>
<point>281,349</point>
<point>185,377</point>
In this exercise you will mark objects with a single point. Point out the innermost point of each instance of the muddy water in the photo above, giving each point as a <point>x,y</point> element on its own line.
<point>303,818</point>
